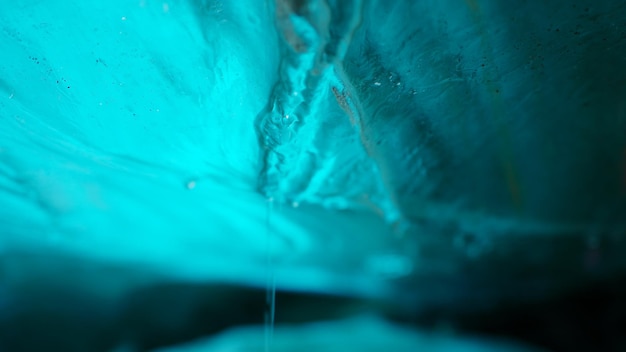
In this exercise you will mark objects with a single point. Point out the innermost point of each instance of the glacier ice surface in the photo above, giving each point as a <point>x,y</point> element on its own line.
<point>435,152</point>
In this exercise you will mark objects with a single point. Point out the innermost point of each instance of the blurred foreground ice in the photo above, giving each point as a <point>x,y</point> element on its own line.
<point>366,334</point>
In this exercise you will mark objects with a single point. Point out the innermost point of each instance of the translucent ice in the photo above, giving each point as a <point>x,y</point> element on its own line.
<point>131,127</point>
<point>432,154</point>
<point>346,335</point>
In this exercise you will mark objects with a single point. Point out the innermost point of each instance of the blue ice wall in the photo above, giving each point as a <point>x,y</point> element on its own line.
<point>128,134</point>
<point>358,147</point>
<point>193,129</point>
<point>513,110</point>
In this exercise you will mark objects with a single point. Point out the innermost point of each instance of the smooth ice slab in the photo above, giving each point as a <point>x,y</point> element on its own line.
<point>356,334</point>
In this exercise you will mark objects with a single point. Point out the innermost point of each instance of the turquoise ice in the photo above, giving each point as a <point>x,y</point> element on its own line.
<point>364,148</point>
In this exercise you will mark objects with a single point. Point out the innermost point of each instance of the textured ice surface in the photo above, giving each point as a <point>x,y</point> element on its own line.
<point>339,336</point>
<point>312,149</point>
<point>496,110</point>
<point>128,133</point>
<point>461,149</point>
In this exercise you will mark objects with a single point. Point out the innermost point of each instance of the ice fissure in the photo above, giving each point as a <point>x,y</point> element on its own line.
<point>311,92</point>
